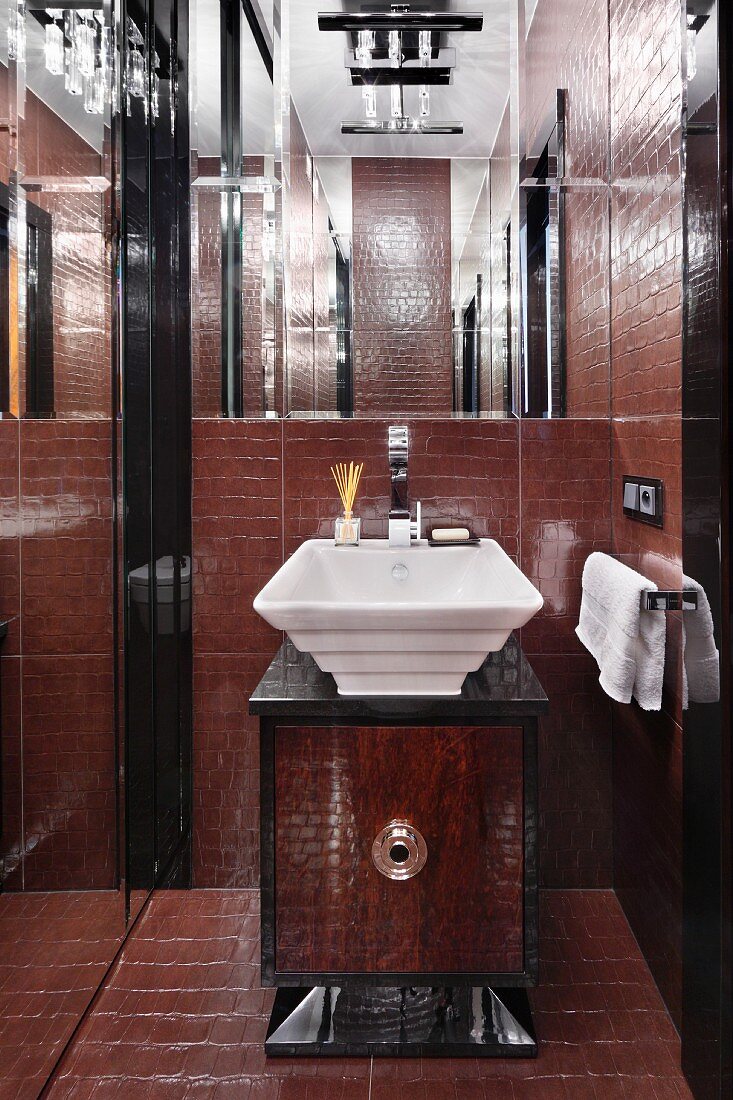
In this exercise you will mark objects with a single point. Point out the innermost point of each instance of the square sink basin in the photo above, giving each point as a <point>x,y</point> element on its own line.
<point>390,621</point>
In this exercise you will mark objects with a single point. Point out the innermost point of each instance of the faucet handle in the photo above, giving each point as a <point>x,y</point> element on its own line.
<point>416,524</point>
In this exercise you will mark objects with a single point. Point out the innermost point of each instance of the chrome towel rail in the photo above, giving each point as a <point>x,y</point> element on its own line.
<point>686,600</point>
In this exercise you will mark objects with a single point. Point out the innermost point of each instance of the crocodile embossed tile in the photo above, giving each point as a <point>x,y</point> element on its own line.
<point>183,1016</point>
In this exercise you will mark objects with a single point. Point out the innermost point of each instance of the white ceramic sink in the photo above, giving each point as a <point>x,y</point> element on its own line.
<point>386,621</point>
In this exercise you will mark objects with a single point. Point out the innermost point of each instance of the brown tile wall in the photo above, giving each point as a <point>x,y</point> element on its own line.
<point>402,286</point>
<point>646,326</point>
<point>565,491</point>
<point>633,48</point>
<point>261,488</point>
<point>56,668</point>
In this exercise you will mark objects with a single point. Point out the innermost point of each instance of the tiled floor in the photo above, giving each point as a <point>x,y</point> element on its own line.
<point>182,1017</point>
<point>54,951</point>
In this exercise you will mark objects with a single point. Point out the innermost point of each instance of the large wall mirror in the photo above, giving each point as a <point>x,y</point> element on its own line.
<point>387,204</point>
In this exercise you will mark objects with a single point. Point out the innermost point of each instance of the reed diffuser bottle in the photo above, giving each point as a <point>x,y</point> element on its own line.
<point>348,526</point>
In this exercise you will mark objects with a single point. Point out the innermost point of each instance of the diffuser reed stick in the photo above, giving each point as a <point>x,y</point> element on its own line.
<point>347,482</point>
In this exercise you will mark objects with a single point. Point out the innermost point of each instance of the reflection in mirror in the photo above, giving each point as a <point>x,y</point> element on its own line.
<point>400,222</point>
<point>404,214</point>
<point>234,204</point>
<point>54,216</point>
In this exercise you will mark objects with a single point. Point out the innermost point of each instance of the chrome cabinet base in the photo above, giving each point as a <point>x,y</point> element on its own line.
<point>452,1021</point>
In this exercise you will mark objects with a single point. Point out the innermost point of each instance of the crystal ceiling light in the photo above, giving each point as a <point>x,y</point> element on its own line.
<point>424,97</point>
<point>94,87</point>
<point>54,47</point>
<point>86,44</point>
<point>424,47</point>
<point>16,31</point>
<point>395,101</point>
<point>365,45</point>
<point>369,96</point>
<point>73,80</point>
<point>395,48</point>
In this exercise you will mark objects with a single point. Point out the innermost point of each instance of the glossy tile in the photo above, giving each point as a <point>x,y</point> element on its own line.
<point>11,774</point>
<point>465,470</point>
<point>66,575</point>
<point>182,1016</point>
<point>237,531</point>
<point>226,770</point>
<point>575,796</point>
<point>647,772</point>
<point>54,951</point>
<point>565,471</point>
<point>69,773</point>
<point>10,532</point>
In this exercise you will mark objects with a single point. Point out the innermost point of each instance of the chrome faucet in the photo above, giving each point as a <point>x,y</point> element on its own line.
<point>402,530</point>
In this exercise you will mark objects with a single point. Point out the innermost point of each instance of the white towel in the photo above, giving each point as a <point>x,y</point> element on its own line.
<point>627,643</point>
<point>701,663</point>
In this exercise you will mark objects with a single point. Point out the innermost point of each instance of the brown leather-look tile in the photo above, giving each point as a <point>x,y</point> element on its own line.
<point>184,1012</point>
<point>69,773</point>
<point>226,770</point>
<point>10,532</point>
<point>401,306</point>
<point>11,775</point>
<point>647,766</point>
<point>182,1015</point>
<point>576,811</point>
<point>462,470</point>
<point>54,950</point>
<point>566,467</point>
<point>237,531</point>
<point>646,207</point>
<point>66,506</point>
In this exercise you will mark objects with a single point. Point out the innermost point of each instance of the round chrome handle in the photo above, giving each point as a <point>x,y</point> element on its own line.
<point>399,850</point>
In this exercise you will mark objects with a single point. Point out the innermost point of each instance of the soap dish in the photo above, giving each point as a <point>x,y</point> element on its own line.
<point>472,540</point>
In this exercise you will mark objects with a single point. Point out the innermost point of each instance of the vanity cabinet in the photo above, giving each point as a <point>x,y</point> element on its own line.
<point>398,838</point>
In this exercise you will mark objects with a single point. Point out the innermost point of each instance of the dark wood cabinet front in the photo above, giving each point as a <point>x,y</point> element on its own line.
<point>336,787</point>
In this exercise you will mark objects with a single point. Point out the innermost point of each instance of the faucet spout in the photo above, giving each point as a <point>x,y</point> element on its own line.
<point>398,453</point>
<point>402,530</point>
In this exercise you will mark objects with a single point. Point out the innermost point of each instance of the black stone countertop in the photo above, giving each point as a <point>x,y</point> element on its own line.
<point>4,628</point>
<point>504,687</point>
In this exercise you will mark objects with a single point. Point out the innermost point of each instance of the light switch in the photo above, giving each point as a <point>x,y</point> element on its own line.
<point>631,495</point>
<point>647,500</point>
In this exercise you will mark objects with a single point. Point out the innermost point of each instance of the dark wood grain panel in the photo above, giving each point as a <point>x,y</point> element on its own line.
<point>335,788</point>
